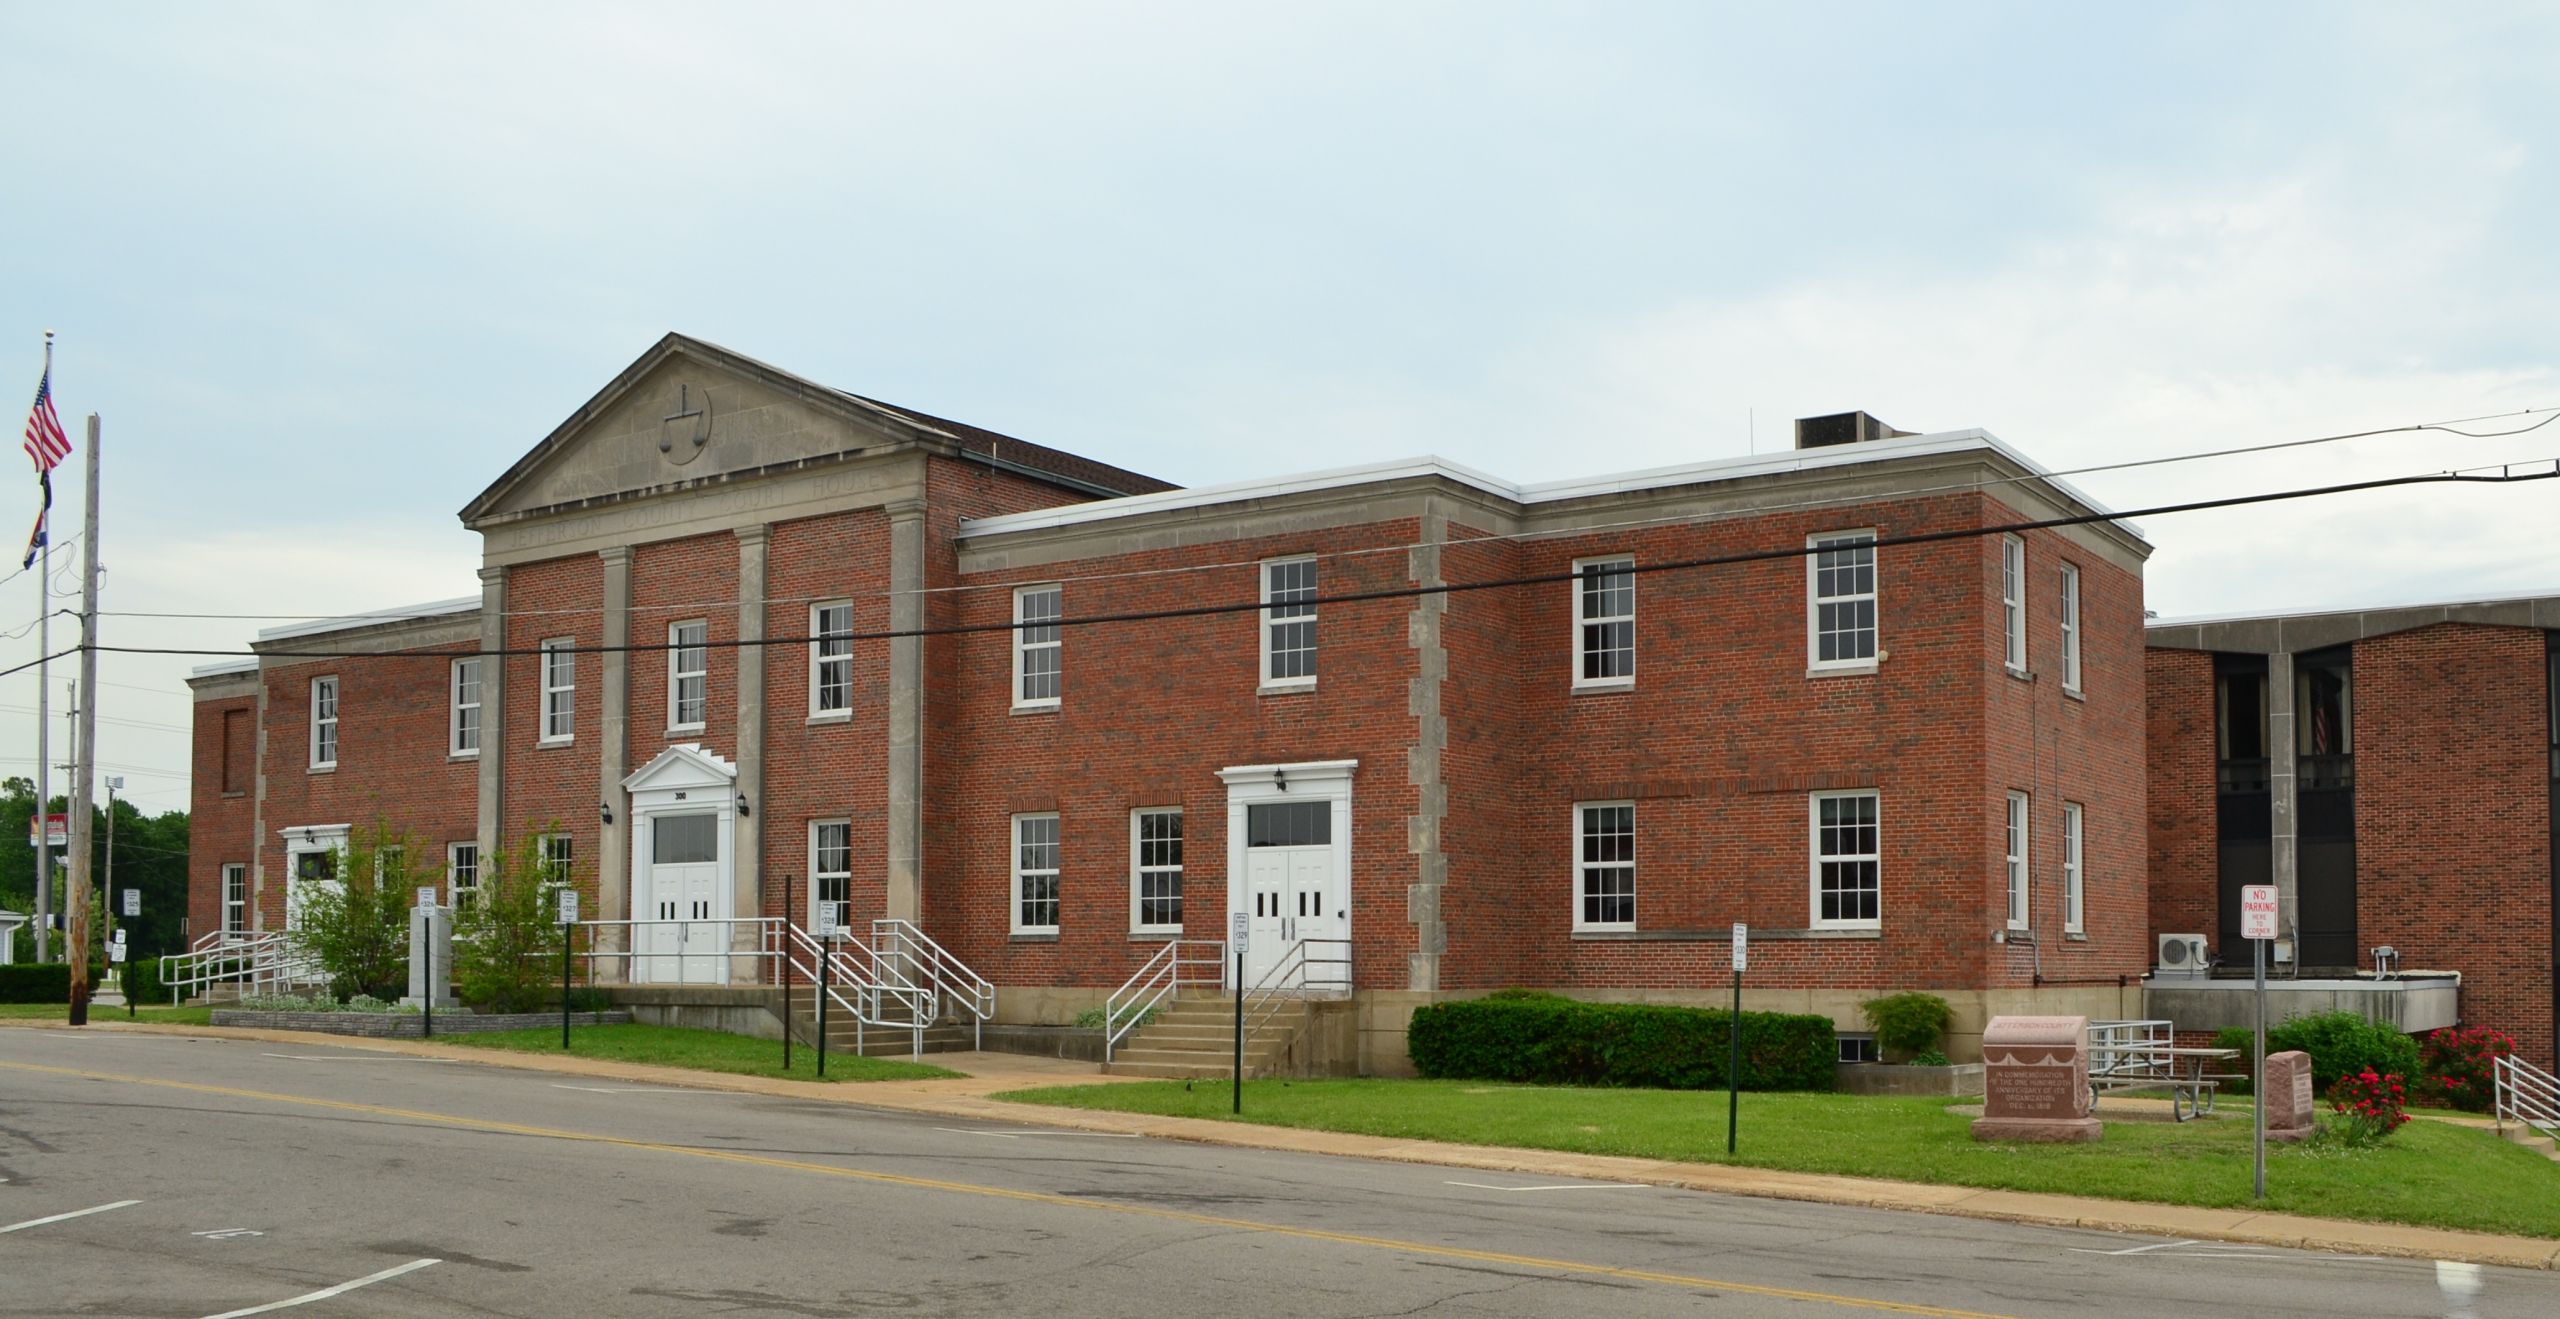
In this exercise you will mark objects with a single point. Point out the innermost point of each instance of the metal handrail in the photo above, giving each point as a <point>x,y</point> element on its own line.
<point>2527,1094</point>
<point>947,976</point>
<point>871,992</point>
<point>1163,975</point>
<point>765,946</point>
<point>1285,981</point>
<point>218,958</point>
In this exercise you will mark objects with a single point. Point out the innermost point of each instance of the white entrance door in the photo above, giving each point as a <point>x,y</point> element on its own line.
<point>684,883</point>
<point>1293,897</point>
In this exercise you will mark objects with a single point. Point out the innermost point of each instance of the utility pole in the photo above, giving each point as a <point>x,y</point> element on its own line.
<point>85,737</point>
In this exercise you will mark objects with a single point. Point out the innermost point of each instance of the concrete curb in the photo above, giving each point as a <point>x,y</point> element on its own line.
<point>968,1097</point>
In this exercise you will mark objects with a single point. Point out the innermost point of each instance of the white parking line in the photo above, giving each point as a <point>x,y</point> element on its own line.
<point>1017,1135</point>
<point>56,1218</point>
<point>1562,1186</point>
<point>354,1058</point>
<point>637,1090</point>
<point>326,1292</point>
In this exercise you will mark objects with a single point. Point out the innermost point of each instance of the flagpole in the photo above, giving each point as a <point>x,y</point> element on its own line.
<point>44,724</point>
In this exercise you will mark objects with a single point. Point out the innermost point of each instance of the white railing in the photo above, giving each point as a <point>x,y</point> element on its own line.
<point>711,939</point>
<point>851,980</point>
<point>922,962</point>
<point>260,963</point>
<point>2529,1095</point>
<point>1311,968</point>
<point>1180,964</point>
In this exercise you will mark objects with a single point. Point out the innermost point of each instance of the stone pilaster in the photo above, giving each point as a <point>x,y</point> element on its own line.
<point>1422,759</point>
<point>753,543</point>
<point>613,758</point>
<point>493,714</point>
<point>905,889</point>
<point>2284,818</point>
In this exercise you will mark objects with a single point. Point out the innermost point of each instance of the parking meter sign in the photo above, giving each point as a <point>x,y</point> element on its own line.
<point>2257,911</point>
<point>133,902</point>
<point>1239,930</point>
<point>1741,947</point>
<point>568,906</point>
<point>426,895</point>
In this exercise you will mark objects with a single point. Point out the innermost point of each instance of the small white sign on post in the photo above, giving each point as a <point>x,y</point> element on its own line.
<point>133,902</point>
<point>118,941</point>
<point>568,906</point>
<point>1741,947</point>
<point>1239,931</point>
<point>115,951</point>
<point>427,895</point>
<point>831,920</point>
<point>2257,911</point>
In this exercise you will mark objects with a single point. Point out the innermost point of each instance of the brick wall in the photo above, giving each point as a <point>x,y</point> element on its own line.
<point>2186,862</point>
<point>2453,837</point>
<point>222,806</point>
<point>557,784</point>
<point>826,769</point>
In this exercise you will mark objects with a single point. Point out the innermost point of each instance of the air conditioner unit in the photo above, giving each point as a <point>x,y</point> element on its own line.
<point>2182,955</point>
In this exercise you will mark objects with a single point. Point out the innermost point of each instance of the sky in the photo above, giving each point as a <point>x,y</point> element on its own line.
<point>327,270</point>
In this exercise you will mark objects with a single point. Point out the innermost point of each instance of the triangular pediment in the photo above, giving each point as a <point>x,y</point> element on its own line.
<point>682,767</point>
<point>685,413</point>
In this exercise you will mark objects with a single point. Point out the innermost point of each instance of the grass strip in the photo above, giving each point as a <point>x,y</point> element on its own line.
<point>2429,1174</point>
<point>194,1014</point>
<point>701,1051</point>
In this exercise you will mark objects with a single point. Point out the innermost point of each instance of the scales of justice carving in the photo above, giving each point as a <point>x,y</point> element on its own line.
<point>683,433</point>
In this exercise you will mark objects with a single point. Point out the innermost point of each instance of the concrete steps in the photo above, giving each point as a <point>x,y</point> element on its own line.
<point>1194,1037</point>
<point>2520,1134</point>
<point>844,1036</point>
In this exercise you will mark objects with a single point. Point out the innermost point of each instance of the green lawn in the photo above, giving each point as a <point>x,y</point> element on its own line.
<point>2429,1173</point>
<point>700,1050</point>
<point>191,1015</point>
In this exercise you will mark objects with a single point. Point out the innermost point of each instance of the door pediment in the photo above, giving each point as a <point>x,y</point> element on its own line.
<point>680,768</point>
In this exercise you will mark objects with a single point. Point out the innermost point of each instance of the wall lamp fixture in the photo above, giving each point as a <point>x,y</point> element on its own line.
<point>605,809</point>
<point>743,810</point>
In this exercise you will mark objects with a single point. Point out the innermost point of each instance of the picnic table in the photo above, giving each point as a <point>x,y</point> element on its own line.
<point>2180,1071</point>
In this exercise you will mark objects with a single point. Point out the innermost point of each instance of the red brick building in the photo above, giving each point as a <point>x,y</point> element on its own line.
<point>745,642</point>
<point>2393,773</point>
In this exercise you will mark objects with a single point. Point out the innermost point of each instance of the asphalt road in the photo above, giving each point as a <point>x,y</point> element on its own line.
<point>241,1175</point>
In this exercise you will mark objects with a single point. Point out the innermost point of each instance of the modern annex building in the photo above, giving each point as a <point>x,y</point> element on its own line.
<point>744,643</point>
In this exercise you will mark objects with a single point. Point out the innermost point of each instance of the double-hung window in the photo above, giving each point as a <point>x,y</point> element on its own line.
<point>1289,623</point>
<point>2070,628</point>
<point>235,900</point>
<point>1035,874</point>
<point>688,675</point>
<point>1604,622</point>
<point>2013,601</point>
<point>462,872</point>
<point>2074,896</point>
<point>324,723</point>
<point>830,870</point>
<point>1036,649</point>
<point>558,851</point>
<point>466,708</point>
<point>831,659</point>
<point>559,689</point>
<point>1840,611</point>
<point>1604,863</point>
<point>1847,869</point>
<point>1155,867</point>
<point>2016,862</point>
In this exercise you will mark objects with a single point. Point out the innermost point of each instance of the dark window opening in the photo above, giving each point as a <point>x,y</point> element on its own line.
<point>1288,824</point>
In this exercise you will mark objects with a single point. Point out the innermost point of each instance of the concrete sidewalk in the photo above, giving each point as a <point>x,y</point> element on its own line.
<point>987,1074</point>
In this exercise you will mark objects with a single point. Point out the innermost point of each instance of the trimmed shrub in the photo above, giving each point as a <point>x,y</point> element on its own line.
<point>36,982</point>
<point>2243,1039</point>
<point>1908,1023</point>
<point>140,980</point>
<point>2343,1044</point>
<point>1551,1040</point>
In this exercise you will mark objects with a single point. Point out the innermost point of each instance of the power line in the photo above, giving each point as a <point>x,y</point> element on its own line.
<point>1976,485</point>
<point>2479,476</point>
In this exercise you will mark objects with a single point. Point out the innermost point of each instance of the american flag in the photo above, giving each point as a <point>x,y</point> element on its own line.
<point>46,443</point>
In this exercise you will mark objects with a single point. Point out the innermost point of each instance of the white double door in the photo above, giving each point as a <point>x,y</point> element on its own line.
<point>686,939</point>
<point>1293,894</point>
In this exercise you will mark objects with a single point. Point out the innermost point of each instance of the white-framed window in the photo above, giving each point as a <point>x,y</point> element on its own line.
<point>1848,879</point>
<point>1604,622</point>
<point>688,675</point>
<point>2070,594</point>
<point>1289,622</point>
<point>1840,607</point>
<point>559,689</point>
<point>1155,869</point>
<point>466,708</point>
<point>2015,852</point>
<point>2013,600</point>
<point>235,899</point>
<point>830,865</point>
<point>831,658</point>
<point>1604,865</point>
<point>558,852</point>
<point>462,875</point>
<point>1037,653</point>
<point>324,723</point>
<point>2074,898</point>
<point>1035,874</point>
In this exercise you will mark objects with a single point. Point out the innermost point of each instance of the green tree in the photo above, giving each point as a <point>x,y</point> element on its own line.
<point>507,942</point>
<point>358,927</point>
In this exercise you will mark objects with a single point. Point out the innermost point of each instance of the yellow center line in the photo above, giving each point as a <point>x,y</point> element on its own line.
<point>1575,1267</point>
